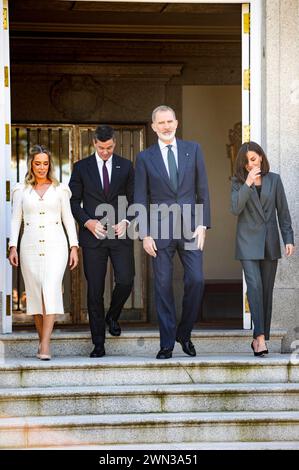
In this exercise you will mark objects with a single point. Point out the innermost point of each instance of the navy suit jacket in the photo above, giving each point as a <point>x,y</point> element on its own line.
<point>88,194</point>
<point>153,186</point>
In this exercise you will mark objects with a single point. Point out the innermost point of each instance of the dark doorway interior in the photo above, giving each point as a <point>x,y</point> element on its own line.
<point>77,63</point>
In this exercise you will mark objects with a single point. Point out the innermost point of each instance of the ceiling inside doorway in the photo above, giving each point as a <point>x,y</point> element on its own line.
<point>204,39</point>
<point>162,20</point>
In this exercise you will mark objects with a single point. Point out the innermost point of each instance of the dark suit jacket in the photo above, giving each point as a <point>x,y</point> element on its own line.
<point>257,229</point>
<point>153,185</point>
<point>86,187</point>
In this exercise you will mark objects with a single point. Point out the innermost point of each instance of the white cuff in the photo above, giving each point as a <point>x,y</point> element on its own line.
<point>126,220</point>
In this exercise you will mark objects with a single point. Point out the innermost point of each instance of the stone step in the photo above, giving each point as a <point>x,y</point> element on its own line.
<point>150,428</point>
<point>137,342</point>
<point>168,447</point>
<point>148,399</point>
<point>108,371</point>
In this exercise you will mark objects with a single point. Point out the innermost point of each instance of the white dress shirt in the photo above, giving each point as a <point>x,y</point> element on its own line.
<point>100,163</point>
<point>164,151</point>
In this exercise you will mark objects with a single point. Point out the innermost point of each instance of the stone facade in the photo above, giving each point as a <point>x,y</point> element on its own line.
<point>280,138</point>
<point>105,100</point>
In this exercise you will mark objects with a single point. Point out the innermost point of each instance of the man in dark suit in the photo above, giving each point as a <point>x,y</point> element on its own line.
<point>172,171</point>
<point>100,183</point>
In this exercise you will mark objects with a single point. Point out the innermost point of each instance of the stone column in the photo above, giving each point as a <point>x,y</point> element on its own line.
<point>281,140</point>
<point>5,152</point>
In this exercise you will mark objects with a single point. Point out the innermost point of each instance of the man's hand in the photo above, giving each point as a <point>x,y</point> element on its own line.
<point>200,233</point>
<point>290,249</point>
<point>120,228</point>
<point>96,228</point>
<point>150,246</point>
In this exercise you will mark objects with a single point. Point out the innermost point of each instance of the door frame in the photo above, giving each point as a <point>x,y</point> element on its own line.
<point>252,53</point>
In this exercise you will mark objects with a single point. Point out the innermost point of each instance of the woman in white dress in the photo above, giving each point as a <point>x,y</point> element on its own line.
<point>43,204</point>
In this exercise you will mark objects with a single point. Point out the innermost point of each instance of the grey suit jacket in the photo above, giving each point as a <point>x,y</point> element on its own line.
<point>257,229</point>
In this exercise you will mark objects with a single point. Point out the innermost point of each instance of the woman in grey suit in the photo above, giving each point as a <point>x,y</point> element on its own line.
<point>257,197</point>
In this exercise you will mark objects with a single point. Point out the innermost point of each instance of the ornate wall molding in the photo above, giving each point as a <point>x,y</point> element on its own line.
<point>69,91</point>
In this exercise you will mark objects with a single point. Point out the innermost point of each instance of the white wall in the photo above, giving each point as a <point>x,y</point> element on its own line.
<point>208,114</point>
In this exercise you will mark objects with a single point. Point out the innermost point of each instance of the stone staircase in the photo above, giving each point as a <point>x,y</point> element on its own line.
<point>219,399</point>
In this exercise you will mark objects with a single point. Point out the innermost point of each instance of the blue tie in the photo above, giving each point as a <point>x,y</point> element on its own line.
<point>172,168</point>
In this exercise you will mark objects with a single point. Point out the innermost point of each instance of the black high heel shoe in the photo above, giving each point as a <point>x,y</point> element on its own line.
<point>258,354</point>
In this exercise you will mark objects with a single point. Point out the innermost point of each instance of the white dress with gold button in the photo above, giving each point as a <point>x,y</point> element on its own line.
<point>44,247</point>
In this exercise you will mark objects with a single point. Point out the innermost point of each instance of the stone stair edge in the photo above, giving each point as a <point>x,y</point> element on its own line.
<point>135,333</point>
<point>168,447</point>
<point>125,390</point>
<point>77,362</point>
<point>235,417</point>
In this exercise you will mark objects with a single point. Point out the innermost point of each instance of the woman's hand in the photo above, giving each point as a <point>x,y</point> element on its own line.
<point>290,249</point>
<point>74,258</point>
<point>13,256</point>
<point>254,174</point>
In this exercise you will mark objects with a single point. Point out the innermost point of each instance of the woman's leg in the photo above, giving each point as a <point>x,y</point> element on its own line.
<point>48,324</point>
<point>38,320</point>
<point>268,269</point>
<point>47,328</point>
<point>252,271</point>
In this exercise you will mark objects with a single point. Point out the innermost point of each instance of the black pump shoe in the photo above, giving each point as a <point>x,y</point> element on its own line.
<point>257,354</point>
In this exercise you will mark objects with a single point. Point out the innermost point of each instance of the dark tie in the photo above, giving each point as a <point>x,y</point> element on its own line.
<point>172,168</point>
<point>105,178</point>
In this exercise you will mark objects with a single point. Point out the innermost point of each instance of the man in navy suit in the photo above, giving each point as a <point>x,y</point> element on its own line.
<point>104,181</point>
<point>172,171</point>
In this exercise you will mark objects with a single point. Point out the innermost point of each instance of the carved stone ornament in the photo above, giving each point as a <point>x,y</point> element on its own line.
<point>76,97</point>
<point>235,142</point>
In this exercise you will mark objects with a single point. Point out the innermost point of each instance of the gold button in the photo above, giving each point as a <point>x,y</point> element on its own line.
<point>41,226</point>
<point>42,254</point>
<point>41,241</point>
<point>27,223</point>
<point>56,222</point>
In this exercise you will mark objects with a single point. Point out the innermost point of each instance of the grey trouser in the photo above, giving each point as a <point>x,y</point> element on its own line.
<point>260,277</point>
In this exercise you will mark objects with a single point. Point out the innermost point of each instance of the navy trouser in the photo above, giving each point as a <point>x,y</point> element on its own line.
<point>193,291</point>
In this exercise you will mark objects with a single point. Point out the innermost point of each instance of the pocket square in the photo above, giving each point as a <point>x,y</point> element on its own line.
<point>117,167</point>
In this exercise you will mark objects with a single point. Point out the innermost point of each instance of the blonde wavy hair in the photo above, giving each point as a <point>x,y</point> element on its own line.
<point>29,177</point>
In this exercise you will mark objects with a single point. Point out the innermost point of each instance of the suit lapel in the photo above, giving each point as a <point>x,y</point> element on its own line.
<point>257,202</point>
<point>266,186</point>
<point>115,174</point>
<point>182,160</point>
<point>158,162</point>
<point>94,173</point>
